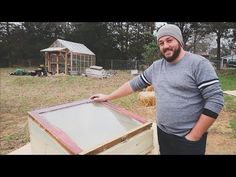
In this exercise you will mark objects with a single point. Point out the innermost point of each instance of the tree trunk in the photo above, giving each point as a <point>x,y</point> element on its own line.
<point>218,64</point>
<point>194,43</point>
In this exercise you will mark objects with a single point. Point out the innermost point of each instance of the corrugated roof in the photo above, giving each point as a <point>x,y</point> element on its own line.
<point>51,49</point>
<point>75,47</point>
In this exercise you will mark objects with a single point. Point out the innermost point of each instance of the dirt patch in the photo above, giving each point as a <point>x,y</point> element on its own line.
<point>220,144</point>
<point>220,141</point>
<point>220,138</point>
<point>14,132</point>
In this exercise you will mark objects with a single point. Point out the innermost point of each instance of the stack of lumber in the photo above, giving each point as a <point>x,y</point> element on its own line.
<point>95,71</point>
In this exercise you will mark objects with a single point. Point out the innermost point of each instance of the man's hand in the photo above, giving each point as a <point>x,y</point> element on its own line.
<point>200,128</point>
<point>123,90</point>
<point>190,137</point>
<point>99,97</point>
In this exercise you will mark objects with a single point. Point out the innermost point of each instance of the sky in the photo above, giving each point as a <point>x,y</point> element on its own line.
<point>158,24</point>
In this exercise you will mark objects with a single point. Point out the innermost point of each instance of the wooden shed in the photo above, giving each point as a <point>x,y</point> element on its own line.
<point>68,57</point>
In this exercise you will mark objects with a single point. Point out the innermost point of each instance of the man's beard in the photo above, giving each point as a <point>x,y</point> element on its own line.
<point>176,53</point>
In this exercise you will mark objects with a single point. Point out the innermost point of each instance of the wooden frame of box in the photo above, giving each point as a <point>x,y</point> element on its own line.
<point>50,138</point>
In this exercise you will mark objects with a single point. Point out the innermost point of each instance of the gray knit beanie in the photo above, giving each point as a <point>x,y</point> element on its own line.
<point>170,30</point>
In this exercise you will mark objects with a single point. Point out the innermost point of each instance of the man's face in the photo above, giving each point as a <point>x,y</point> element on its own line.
<point>169,47</point>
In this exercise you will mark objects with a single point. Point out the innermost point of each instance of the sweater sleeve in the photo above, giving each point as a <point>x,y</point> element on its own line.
<point>209,86</point>
<point>143,80</point>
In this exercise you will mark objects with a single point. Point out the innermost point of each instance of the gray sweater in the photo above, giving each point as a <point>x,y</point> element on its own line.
<point>184,91</point>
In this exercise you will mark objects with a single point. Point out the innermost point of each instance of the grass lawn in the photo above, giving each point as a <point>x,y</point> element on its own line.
<point>228,82</point>
<point>227,79</point>
<point>21,94</point>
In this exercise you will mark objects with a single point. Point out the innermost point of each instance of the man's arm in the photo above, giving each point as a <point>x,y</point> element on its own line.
<point>137,83</point>
<point>209,86</point>
<point>123,90</point>
<point>200,127</point>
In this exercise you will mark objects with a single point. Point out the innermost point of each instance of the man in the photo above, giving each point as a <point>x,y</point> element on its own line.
<point>188,93</point>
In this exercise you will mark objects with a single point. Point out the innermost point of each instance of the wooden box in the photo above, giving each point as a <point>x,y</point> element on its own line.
<point>87,127</point>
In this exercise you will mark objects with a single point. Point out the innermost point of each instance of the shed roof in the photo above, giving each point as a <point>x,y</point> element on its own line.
<point>52,49</point>
<point>60,44</point>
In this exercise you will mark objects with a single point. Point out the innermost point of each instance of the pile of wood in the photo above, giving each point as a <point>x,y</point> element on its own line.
<point>147,97</point>
<point>134,72</point>
<point>95,71</point>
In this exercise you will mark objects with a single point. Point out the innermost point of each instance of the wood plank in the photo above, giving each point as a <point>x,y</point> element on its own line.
<point>121,138</point>
<point>24,150</point>
<point>42,126</point>
<point>139,144</point>
<point>43,143</point>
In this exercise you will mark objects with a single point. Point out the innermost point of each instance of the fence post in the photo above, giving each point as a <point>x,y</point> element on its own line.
<point>111,64</point>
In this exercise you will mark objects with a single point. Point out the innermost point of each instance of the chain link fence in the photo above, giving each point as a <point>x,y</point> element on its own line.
<point>115,64</point>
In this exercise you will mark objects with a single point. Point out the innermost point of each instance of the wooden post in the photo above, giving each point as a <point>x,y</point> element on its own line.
<point>46,59</point>
<point>57,64</point>
<point>49,63</point>
<point>112,64</point>
<point>66,69</point>
<point>71,66</point>
<point>80,59</point>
